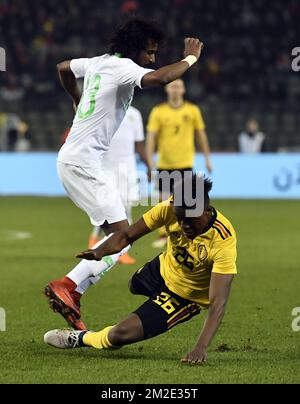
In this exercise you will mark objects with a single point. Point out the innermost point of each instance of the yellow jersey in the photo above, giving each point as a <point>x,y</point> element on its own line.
<point>175,129</point>
<point>187,264</point>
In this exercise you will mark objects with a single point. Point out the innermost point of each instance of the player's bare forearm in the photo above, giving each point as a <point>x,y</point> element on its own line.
<point>117,242</point>
<point>68,81</point>
<point>211,326</point>
<point>220,287</point>
<point>213,321</point>
<point>219,291</point>
<point>113,245</point>
<point>203,145</point>
<point>141,150</point>
<point>150,148</point>
<point>167,74</point>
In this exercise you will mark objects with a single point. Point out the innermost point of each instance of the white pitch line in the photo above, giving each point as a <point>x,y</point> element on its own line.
<point>15,235</point>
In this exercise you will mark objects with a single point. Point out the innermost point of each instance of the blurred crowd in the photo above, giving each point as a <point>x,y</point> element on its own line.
<point>247,43</point>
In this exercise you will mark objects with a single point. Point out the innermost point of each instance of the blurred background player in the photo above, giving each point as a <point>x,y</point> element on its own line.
<point>252,140</point>
<point>14,133</point>
<point>109,83</point>
<point>121,162</point>
<point>173,129</point>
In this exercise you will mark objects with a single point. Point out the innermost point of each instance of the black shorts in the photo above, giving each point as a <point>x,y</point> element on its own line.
<point>164,309</point>
<point>160,184</point>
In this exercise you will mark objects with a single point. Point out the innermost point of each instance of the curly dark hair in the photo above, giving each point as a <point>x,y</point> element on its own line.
<point>133,37</point>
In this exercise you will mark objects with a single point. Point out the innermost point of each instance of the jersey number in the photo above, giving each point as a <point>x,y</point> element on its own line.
<point>91,89</point>
<point>176,130</point>
<point>184,258</point>
<point>166,302</point>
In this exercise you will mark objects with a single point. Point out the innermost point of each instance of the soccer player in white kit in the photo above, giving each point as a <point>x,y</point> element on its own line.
<point>120,163</point>
<point>109,82</point>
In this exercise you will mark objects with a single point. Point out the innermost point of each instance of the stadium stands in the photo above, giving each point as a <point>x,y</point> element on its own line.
<point>248,43</point>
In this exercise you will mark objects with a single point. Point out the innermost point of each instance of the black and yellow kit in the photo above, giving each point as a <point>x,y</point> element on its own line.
<point>177,282</point>
<point>175,129</point>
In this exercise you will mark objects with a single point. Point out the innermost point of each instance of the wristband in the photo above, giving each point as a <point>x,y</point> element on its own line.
<point>191,59</point>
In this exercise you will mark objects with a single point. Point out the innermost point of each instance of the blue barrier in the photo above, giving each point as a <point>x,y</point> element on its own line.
<point>29,174</point>
<point>265,176</point>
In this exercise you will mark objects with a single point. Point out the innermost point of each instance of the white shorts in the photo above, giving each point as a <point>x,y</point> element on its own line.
<point>126,182</point>
<point>93,191</point>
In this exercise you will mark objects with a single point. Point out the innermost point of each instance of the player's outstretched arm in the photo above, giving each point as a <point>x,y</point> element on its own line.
<point>151,144</point>
<point>167,74</point>
<point>140,149</point>
<point>203,144</point>
<point>219,291</point>
<point>68,81</point>
<point>117,242</point>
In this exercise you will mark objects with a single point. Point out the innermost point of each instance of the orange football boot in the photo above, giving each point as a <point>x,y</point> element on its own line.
<point>126,259</point>
<point>63,299</point>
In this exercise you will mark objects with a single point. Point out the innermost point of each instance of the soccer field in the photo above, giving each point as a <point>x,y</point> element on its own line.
<point>256,343</point>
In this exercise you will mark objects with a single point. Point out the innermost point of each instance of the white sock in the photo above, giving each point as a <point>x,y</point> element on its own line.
<point>92,280</point>
<point>83,287</point>
<point>86,269</point>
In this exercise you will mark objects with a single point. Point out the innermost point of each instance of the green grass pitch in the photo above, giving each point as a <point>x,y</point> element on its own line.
<point>255,344</point>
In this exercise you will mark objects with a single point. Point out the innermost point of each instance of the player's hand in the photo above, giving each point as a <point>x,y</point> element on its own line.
<point>196,357</point>
<point>193,46</point>
<point>90,255</point>
<point>209,166</point>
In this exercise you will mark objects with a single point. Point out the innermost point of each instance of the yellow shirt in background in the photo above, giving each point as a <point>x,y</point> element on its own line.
<point>175,129</point>
<point>187,265</point>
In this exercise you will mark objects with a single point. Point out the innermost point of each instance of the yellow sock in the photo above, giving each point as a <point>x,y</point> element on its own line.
<point>162,231</point>
<point>98,340</point>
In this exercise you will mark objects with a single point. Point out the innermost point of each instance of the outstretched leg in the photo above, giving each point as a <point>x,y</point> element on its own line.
<point>126,332</point>
<point>64,294</point>
<point>154,317</point>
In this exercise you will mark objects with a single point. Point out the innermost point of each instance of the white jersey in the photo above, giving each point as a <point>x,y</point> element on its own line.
<point>122,148</point>
<point>109,83</point>
<point>120,160</point>
<point>251,144</point>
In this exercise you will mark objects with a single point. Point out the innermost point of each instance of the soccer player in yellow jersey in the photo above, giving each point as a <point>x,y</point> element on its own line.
<point>195,273</point>
<point>173,129</point>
